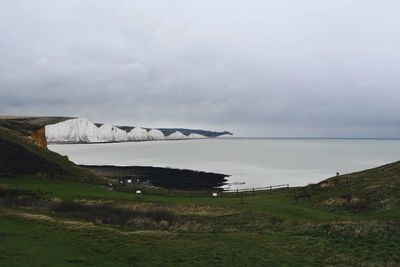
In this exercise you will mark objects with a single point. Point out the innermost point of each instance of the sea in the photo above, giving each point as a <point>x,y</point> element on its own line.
<point>250,162</point>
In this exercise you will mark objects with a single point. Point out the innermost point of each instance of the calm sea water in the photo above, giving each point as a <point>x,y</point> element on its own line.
<point>254,162</point>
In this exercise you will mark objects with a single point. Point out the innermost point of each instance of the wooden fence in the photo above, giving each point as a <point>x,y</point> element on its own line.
<point>215,192</point>
<point>254,190</point>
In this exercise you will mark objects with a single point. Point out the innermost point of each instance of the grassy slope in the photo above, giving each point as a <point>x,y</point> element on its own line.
<point>374,189</point>
<point>18,157</point>
<point>59,246</point>
<point>268,229</point>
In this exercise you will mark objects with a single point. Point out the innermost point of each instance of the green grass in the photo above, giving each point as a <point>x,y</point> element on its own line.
<point>44,244</point>
<point>369,190</point>
<point>279,203</point>
<point>268,229</point>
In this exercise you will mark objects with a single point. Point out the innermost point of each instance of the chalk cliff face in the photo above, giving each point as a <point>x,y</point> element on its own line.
<point>38,137</point>
<point>74,131</point>
<point>155,134</point>
<point>81,130</point>
<point>108,133</point>
<point>196,136</point>
<point>176,135</point>
<point>137,134</point>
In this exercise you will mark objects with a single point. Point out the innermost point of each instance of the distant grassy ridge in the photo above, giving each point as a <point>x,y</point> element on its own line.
<point>24,125</point>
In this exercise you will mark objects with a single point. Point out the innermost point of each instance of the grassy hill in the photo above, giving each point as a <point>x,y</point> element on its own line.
<point>21,158</point>
<point>373,189</point>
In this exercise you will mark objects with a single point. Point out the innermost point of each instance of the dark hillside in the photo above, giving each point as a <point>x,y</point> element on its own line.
<point>19,157</point>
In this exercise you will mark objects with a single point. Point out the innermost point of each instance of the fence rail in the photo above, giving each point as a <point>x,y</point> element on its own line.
<point>210,192</point>
<point>265,188</point>
<point>253,190</point>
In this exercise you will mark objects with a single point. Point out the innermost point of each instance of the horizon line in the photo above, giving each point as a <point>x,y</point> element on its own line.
<point>294,137</point>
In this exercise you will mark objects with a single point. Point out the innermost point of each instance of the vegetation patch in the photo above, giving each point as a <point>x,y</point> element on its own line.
<point>364,191</point>
<point>20,198</point>
<point>111,215</point>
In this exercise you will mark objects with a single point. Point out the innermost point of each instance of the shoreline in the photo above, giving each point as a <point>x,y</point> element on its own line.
<point>257,163</point>
<point>164,177</point>
<point>230,138</point>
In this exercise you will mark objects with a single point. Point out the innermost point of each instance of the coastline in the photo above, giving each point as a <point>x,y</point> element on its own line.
<point>167,178</point>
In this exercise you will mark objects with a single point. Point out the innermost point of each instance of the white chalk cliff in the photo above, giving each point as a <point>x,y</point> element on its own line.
<point>81,130</point>
<point>176,135</point>
<point>196,136</point>
<point>137,134</point>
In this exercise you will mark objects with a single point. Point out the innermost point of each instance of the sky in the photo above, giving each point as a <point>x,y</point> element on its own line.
<point>286,68</point>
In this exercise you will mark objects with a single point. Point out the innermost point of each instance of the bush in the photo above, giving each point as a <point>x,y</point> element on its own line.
<point>109,214</point>
<point>18,197</point>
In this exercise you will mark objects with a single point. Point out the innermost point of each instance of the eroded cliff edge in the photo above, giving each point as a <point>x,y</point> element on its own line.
<point>31,128</point>
<point>38,137</point>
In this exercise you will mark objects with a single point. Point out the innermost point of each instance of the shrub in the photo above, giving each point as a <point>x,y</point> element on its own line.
<point>18,197</point>
<point>110,215</point>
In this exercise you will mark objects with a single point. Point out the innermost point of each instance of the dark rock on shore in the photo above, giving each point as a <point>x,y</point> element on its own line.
<point>163,177</point>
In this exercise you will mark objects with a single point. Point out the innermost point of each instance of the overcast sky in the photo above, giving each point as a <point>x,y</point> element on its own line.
<point>257,68</point>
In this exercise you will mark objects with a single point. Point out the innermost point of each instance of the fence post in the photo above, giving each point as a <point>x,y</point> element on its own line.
<point>287,186</point>
<point>237,192</point>
<point>254,192</point>
<point>270,189</point>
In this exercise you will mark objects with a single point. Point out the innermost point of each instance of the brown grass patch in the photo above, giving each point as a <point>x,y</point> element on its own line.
<point>338,201</point>
<point>335,201</point>
<point>179,210</point>
<point>74,224</point>
<point>326,185</point>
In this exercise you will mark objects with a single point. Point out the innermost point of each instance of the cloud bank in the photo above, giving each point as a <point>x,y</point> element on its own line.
<point>257,68</point>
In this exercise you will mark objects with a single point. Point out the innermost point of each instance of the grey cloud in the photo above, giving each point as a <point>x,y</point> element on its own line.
<point>260,68</point>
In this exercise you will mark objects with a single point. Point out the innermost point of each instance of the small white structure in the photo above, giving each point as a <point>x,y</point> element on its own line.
<point>129,181</point>
<point>138,192</point>
<point>214,194</point>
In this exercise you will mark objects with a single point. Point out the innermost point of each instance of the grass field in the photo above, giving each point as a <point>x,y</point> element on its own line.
<point>268,229</point>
